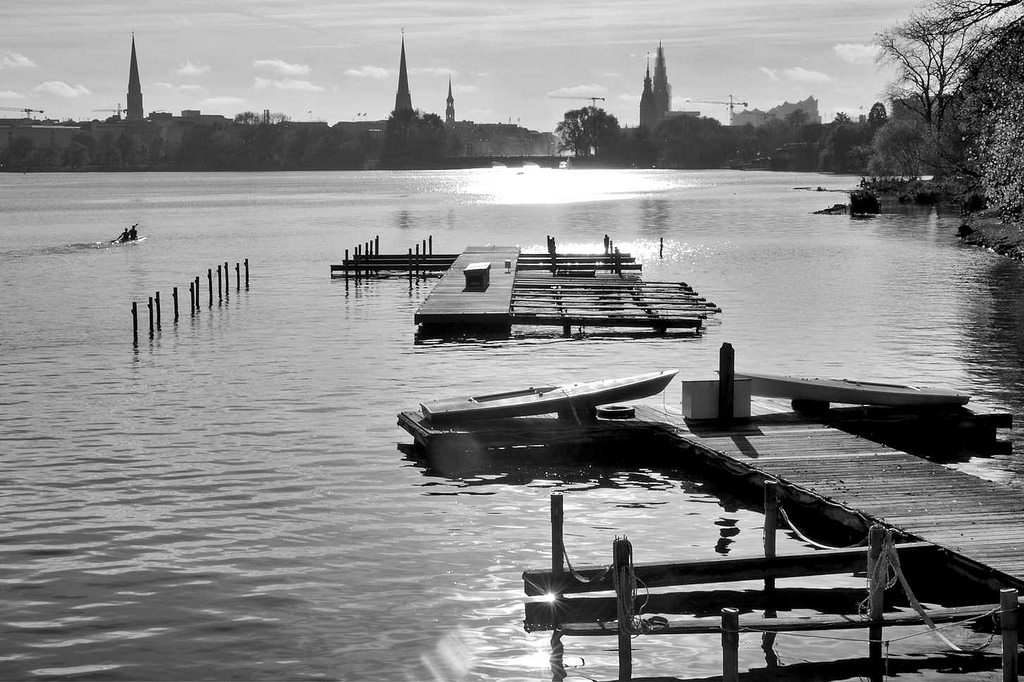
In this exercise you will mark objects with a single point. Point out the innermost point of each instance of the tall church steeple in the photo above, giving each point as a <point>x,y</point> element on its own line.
<point>134,110</point>
<point>647,113</point>
<point>403,100</point>
<point>449,112</point>
<point>662,90</point>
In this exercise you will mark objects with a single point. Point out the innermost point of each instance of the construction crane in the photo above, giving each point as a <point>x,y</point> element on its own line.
<point>117,111</point>
<point>593,100</point>
<point>28,112</point>
<point>732,104</point>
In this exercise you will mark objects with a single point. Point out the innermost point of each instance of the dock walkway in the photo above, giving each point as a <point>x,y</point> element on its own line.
<point>821,467</point>
<point>451,305</point>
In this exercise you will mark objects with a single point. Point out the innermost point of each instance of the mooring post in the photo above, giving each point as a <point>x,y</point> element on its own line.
<point>158,310</point>
<point>174,295</point>
<point>346,265</point>
<point>771,520</point>
<point>410,268</point>
<point>220,286</point>
<point>430,243</point>
<point>209,283</point>
<point>1008,623</point>
<point>557,541</point>
<point>730,645</point>
<point>661,247</point>
<point>227,279</point>
<point>197,293</point>
<point>417,262</point>
<point>622,555</point>
<point>238,276</point>
<point>726,382</point>
<point>247,273</point>
<point>191,299</point>
<point>150,317</point>
<point>876,601</point>
<point>135,323</point>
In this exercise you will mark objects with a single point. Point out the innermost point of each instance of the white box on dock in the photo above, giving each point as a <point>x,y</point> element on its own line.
<point>700,399</point>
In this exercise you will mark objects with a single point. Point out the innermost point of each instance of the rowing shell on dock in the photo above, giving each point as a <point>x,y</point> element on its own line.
<point>572,400</point>
<point>815,390</point>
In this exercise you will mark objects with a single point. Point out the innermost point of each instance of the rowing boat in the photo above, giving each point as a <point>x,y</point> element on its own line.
<point>577,400</point>
<point>817,390</point>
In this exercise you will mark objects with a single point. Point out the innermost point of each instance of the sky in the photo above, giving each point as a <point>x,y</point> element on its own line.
<point>524,62</point>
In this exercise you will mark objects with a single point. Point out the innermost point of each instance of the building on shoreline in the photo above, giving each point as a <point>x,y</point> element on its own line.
<point>757,118</point>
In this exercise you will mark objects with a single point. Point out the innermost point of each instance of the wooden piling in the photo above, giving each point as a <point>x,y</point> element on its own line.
<point>557,538</point>
<point>410,268</point>
<point>347,265</point>
<point>174,295</point>
<point>135,323</point>
<point>416,263</point>
<point>771,516</point>
<point>158,310</point>
<point>661,247</point>
<point>876,601</point>
<point>376,245</point>
<point>191,298</point>
<point>220,286</point>
<point>246,273</point>
<point>356,261</point>
<point>1008,624</point>
<point>430,243</point>
<point>726,382</point>
<point>150,317</point>
<point>209,283</point>
<point>227,279</point>
<point>622,554</point>
<point>730,645</point>
<point>197,293</point>
<point>238,276</point>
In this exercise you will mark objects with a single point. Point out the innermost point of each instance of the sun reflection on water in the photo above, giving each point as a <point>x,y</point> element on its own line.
<point>535,185</point>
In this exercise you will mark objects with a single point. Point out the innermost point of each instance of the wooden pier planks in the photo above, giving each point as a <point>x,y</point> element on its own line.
<point>977,519</point>
<point>606,301</point>
<point>451,305</point>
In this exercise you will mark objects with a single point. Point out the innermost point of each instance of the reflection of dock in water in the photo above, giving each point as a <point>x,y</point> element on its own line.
<point>491,289</point>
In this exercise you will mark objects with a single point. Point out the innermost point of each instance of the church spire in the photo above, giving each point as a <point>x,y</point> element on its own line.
<point>449,112</point>
<point>134,110</point>
<point>648,117</point>
<point>403,100</point>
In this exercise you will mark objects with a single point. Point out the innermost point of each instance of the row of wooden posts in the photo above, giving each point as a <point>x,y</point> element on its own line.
<point>622,582</point>
<point>363,255</point>
<point>223,288</point>
<point>609,246</point>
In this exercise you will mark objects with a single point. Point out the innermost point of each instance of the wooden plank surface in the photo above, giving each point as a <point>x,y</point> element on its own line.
<point>978,519</point>
<point>451,304</point>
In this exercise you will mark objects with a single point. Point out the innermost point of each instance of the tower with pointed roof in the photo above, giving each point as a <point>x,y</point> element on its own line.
<point>134,110</point>
<point>403,100</point>
<point>449,112</point>
<point>647,113</point>
<point>661,90</point>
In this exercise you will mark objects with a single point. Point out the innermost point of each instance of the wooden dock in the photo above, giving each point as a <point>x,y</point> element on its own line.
<point>830,476</point>
<point>453,306</point>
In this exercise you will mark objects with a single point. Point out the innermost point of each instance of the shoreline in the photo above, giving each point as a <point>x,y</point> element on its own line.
<point>988,231</point>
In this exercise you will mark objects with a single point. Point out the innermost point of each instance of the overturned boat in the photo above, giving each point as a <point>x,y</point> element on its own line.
<point>575,401</point>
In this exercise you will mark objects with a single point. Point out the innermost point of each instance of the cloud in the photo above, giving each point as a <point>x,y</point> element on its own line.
<point>433,71</point>
<point>579,91</point>
<point>367,72</point>
<point>187,87</point>
<point>61,89</point>
<point>771,73</point>
<point>802,75</point>
<point>11,94</point>
<point>14,60</point>
<point>856,53</point>
<point>287,84</point>
<point>282,67</point>
<point>190,68</point>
